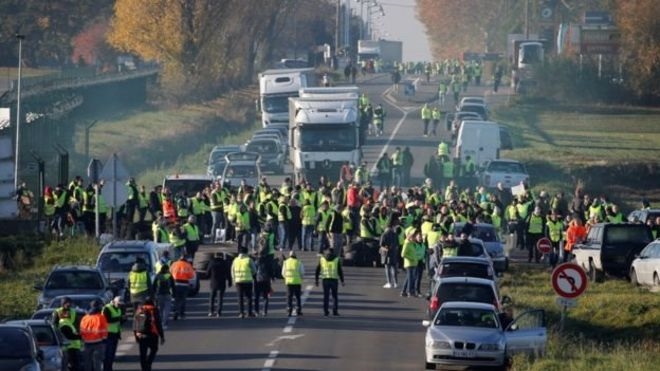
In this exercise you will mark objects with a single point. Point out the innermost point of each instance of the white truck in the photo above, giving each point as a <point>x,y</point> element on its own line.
<point>324,134</point>
<point>386,51</point>
<point>275,88</point>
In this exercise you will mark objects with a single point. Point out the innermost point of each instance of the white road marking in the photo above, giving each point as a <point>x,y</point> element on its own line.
<point>270,362</point>
<point>288,329</point>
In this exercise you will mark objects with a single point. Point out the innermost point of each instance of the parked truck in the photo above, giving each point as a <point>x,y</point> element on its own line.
<point>275,88</point>
<point>324,134</point>
<point>610,248</point>
<point>387,51</point>
<point>524,54</point>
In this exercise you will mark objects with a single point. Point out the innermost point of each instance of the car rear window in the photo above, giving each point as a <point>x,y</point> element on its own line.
<point>14,343</point>
<point>505,167</point>
<point>465,270</point>
<point>122,262</point>
<point>465,291</point>
<point>637,234</point>
<point>74,280</point>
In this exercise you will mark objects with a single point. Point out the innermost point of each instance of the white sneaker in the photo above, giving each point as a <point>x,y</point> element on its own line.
<point>387,286</point>
<point>395,285</point>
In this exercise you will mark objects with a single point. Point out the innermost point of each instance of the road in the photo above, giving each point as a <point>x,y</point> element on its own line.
<point>377,328</point>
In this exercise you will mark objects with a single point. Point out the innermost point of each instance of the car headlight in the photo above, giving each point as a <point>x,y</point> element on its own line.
<point>436,344</point>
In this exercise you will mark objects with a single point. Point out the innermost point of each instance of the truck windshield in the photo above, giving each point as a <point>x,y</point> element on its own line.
<point>530,54</point>
<point>332,138</point>
<point>627,234</point>
<point>276,103</point>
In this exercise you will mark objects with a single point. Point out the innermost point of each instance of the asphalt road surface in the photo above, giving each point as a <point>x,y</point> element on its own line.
<point>377,328</point>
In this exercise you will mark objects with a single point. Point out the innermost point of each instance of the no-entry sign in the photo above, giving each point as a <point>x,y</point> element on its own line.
<point>569,280</point>
<point>544,245</point>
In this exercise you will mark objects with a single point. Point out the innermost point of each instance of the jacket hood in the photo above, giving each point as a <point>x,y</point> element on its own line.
<point>329,255</point>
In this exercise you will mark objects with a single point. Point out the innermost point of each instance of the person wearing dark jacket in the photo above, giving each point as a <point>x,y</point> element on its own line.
<point>262,286</point>
<point>155,204</point>
<point>336,227</point>
<point>147,336</point>
<point>389,254</point>
<point>219,275</point>
<point>329,269</point>
<point>164,286</point>
<point>295,224</point>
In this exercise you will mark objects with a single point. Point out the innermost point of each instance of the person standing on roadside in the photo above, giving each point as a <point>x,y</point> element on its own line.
<point>182,272</point>
<point>148,330</point>
<point>389,254</point>
<point>94,331</point>
<point>329,269</point>
<point>138,282</point>
<point>262,287</point>
<point>293,272</point>
<point>115,317</point>
<point>219,276</point>
<point>164,289</point>
<point>427,116</point>
<point>409,255</point>
<point>66,325</point>
<point>243,271</point>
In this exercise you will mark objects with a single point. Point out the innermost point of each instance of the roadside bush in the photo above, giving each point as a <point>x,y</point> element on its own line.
<point>17,251</point>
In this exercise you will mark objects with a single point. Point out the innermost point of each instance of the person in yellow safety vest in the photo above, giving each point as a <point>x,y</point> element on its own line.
<point>177,238</point>
<point>422,252</point>
<point>347,229</point>
<point>427,115</point>
<point>293,272</point>
<point>397,163</point>
<point>496,219</point>
<point>330,271</point>
<point>447,169</point>
<point>367,227</point>
<point>66,325</point>
<point>443,149</point>
<point>554,232</point>
<point>199,209</point>
<point>456,89</point>
<point>468,168</point>
<point>535,228</point>
<point>362,174</point>
<point>114,315</point>
<point>614,215</point>
<point>139,283</point>
<point>231,209</point>
<point>426,226</point>
<point>442,91</point>
<point>283,220</point>
<point>193,237</point>
<point>243,226</point>
<point>436,115</point>
<point>322,221</point>
<point>182,206</point>
<point>409,255</point>
<point>159,230</point>
<point>433,237</point>
<point>308,219</point>
<point>143,203</point>
<point>363,101</point>
<point>243,271</point>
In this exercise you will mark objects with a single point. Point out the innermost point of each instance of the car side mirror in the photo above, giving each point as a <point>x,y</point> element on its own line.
<point>38,286</point>
<point>426,323</point>
<point>506,300</point>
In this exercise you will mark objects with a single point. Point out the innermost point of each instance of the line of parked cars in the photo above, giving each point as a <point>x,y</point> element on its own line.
<point>469,324</point>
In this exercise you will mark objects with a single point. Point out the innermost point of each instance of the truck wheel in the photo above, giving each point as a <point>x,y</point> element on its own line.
<point>633,277</point>
<point>594,274</point>
<point>656,280</point>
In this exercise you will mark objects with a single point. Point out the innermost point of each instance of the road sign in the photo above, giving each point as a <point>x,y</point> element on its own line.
<point>566,303</point>
<point>569,280</point>
<point>544,245</point>
<point>94,170</point>
<point>115,176</point>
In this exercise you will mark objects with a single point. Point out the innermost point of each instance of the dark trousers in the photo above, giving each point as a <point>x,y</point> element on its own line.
<point>261,290</point>
<point>294,236</point>
<point>148,349</point>
<point>291,291</point>
<point>330,287</point>
<point>244,293</point>
<point>532,238</point>
<point>418,276</point>
<point>220,295</point>
<point>191,249</point>
<point>110,350</point>
<point>180,297</point>
<point>426,126</point>
<point>243,239</point>
<point>73,356</point>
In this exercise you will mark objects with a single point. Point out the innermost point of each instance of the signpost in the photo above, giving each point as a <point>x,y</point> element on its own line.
<point>93,172</point>
<point>544,245</point>
<point>569,281</point>
<point>115,177</point>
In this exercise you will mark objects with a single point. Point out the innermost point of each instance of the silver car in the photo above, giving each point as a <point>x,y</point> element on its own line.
<point>50,342</point>
<point>645,269</point>
<point>491,241</point>
<point>465,334</point>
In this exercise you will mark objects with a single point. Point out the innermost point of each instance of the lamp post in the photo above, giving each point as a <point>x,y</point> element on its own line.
<point>18,108</point>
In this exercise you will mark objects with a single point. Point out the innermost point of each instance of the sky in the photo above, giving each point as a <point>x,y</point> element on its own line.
<point>400,23</point>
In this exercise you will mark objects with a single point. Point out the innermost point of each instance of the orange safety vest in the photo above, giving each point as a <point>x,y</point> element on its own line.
<point>181,270</point>
<point>169,211</point>
<point>93,328</point>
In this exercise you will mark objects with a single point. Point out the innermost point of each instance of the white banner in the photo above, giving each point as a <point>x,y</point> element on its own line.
<point>5,118</point>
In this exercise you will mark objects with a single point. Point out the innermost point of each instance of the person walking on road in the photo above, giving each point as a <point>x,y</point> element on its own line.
<point>94,331</point>
<point>389,250</point>
<point>427,116</point>
<point>138,283</point>
<point>293,272</point>
<point>115,317</point>
<point>148,330</point>
<point>262,286</point>
<point>243,271</point>
<point>329,269</point>
<point>182,272</point>
<point>66,325</point>
<point>219,276</point>
<point>409,255</point>
<point>164,289</point>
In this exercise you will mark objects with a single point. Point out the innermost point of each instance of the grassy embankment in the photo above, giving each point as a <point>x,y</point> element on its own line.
<point>614,327</point>
<point>614,150</point>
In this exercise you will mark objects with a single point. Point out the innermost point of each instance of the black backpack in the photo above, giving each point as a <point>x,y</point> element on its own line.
<point>142,323</point>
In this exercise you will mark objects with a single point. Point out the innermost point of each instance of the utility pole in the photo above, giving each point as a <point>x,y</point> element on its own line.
<point>337,41</point>
<point>526,19</point>
<point>18,109</point>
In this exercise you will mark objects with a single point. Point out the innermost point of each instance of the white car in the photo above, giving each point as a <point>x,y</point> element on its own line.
<point>509,172</point>
<point>242,167</point>
<point>645,269</point>
<point>468,289</point>
<point>465,334</point>
<point>471,100</point>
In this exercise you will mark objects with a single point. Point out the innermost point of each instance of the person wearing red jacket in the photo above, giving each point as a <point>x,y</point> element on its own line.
<point>575,233</point>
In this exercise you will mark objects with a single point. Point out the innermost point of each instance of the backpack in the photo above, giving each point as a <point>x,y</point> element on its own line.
<point>143,322</point>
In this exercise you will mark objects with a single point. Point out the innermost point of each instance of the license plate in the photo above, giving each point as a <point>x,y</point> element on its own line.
<point>465,353</point>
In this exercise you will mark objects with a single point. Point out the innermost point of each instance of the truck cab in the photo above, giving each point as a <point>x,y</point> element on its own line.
<point>275,88</point>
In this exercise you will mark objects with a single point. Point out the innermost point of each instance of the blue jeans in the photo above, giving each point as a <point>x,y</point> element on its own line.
<point>307,233</point>
<point>281,235</point>
<point>411,277</point>
<point>391,274</point>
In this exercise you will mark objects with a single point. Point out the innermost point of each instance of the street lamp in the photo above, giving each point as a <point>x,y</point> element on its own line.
<point>18,107</point>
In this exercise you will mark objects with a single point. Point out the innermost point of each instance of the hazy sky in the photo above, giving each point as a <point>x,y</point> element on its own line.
<point>400,23</point>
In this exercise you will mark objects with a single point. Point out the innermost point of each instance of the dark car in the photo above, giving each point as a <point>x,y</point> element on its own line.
<point>74,279</point>
<point>18,348</point>
<point>49,340</point>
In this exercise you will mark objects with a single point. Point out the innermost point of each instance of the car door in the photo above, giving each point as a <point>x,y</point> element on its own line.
<point>527,334</point>
<point>648,259</point>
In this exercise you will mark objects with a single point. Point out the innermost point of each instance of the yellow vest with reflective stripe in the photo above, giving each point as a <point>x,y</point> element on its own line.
<point>72,344</point>
<point>281,217</point>
<point>114,327</point>
<point>432,238</point>
<point>242,270</point>
<point>243,221</point>
<point>138,282</point>
<point>535,224</point>
<point>308,215</point>
<point>192,232</point>
<point>329,269</point>
<point>323,221</point>
<point>292,272</point>
<point>554,230</point>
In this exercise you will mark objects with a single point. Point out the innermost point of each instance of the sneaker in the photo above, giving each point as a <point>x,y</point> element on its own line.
<point>242,315</point>
<point>210,314</point>
<point>404,294</point>
<point>387,286</point>
<point>395,285</point>
<point>425,135</point>
<point>251,314</point>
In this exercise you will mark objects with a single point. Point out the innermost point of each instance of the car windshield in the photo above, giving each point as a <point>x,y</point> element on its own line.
<point>465,291</point>
<point>467,317</point>
<point>456,269</point>
<point>276,103</point>
<point>219,155</point>
<point>241,171</point>
<point>263,146</point>
<point>14,343</point>
<point>82,302</point>
<point>44,335</point>
<point>88,280</point>
<point>506,167</point>
<point>122,262</point>
<point>474,108</point>
<point>334,137</point>
<point>628,234</point>
<point>486,234</point>
<point>188,186</point>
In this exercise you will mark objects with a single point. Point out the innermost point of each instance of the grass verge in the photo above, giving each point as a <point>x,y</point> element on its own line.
<point>19,298</point>
<point>615,326</point>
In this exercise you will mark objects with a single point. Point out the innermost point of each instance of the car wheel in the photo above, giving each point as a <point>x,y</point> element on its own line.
<point>633,277</point>
<point>592,272</point>
<point>656,279</point>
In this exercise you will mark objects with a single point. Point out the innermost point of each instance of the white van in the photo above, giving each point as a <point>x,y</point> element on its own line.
<point>480,140</point>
